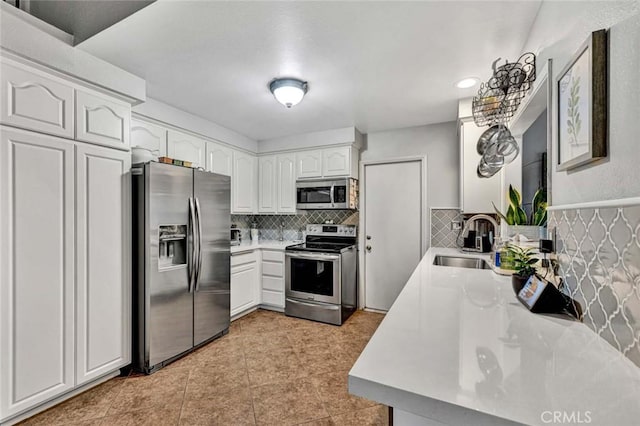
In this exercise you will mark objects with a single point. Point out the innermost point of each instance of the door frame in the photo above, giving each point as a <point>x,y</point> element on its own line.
<point>425,232</point>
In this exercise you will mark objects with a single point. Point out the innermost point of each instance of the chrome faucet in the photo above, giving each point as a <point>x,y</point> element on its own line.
<point>476,217</point>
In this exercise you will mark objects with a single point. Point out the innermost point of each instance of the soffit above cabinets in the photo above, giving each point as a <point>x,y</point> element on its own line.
<point>372,65</point>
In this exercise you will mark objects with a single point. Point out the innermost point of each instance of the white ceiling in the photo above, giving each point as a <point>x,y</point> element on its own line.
<point>373,65</point>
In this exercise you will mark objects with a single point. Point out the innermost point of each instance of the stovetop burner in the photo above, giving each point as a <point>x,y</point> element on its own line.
<point>327,239</point>
<point>320,247</point>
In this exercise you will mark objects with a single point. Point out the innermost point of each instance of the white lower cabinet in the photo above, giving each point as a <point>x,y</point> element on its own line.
<point>103,289</point>
<point>64,266</point>
<point>273,278</point>
<point>36,269</point>
<point>245,283</point>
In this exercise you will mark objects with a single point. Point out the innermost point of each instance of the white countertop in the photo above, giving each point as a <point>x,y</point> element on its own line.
<point>423,357</point>
<point>262,244</point>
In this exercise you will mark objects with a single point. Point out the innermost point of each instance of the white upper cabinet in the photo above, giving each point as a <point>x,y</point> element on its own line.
<point>181,146</point>
<point>309,164</point>
<point>35,102</point>
<point>103,287</point>
<point>244,183</point>
<point>219,159</point>
<point>267,185</point>
<point>102,120</point>
<point>37,269</point>
<point>328,162</point>
<point>476,193</point>
<point>286,182</point>
<point>149,136</point>
<point>336,161</point>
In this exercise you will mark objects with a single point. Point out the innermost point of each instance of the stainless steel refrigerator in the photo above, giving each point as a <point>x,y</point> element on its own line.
<point>181,222</point>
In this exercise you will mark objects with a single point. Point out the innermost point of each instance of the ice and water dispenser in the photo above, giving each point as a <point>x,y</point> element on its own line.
<point>172,246</point>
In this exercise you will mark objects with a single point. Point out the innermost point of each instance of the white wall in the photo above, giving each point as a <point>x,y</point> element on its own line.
<point>22,35</point>
<point>439,142</point>
<point>310,140</point>
<point>559,30</point>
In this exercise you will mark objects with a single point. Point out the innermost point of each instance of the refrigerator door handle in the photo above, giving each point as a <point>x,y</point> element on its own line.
<point>199,265</point>
<point>194,243</point>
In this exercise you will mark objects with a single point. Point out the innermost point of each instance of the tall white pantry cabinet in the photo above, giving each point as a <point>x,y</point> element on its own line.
<point>65,308</point>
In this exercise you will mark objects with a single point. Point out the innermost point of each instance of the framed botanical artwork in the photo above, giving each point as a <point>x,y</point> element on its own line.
<point>582,105</point>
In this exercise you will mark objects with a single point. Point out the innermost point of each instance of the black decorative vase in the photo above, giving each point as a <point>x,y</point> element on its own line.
<point>518,282</point>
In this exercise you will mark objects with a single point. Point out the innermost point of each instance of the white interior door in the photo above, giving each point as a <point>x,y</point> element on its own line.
<point>393,229</point>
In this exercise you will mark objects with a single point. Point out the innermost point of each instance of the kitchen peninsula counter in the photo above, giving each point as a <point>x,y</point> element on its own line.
<point>457,348</point>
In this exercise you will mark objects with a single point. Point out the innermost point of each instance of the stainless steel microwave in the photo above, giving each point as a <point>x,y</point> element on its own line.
<point>338,194</point>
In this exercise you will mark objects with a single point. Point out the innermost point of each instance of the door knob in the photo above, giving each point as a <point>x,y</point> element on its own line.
<point>369,249</point>
<point>368,237</point>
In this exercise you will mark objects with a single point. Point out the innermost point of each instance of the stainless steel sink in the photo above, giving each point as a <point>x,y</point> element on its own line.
<point>461,262</point>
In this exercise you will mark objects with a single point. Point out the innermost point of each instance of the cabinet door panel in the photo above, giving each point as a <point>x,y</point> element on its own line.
<point>219,159</point>
<point>244,183</point>
<point>267,188</point>
<point>149,136</point>
<point>286,183</point>
<point>102,247</point>
<point>336,161</point>
<point>309,164</point>
<point>244,288</point>
<point>32,101</point>
<point>187,148</point>
<point>101,120</point>
<point>36,270</point>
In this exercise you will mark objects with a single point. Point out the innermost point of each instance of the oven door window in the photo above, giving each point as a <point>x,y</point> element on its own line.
<point>315,195</point>
<point>312,276</point>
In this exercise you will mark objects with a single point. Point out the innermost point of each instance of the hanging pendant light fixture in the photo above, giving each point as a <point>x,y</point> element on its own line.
<point>288,91</point>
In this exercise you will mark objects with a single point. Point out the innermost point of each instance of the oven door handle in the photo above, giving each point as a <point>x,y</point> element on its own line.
<point>314,305</point>
<point>315,256</point>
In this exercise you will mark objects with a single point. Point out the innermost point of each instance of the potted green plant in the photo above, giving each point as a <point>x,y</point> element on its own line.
<point>516,218</point>
<point>523,262</point>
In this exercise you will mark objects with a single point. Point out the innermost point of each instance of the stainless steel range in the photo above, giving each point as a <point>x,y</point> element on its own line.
<point>321,274</point>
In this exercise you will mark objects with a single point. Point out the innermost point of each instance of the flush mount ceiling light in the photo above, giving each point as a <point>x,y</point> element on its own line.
<point>288,91</point>
<point>466,83</point>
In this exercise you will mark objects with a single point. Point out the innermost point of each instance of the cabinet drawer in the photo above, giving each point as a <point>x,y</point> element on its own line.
<point>102,121</point>
<point>31,101</point>
<point>273,255</point>
<point>272,283</point>
<point>275,269</point>
<point>243,258</point>
<point>273,298</point>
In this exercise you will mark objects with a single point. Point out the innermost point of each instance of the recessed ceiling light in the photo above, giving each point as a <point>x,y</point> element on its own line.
<point>466,83</point>
<point>288,91</point>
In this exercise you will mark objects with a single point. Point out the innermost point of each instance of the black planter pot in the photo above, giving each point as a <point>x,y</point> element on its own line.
<point>518,282</point>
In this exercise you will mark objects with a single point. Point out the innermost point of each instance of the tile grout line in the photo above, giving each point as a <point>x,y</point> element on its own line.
<point>184,394</point>
<point>246,369</point>
<point>124,380</point>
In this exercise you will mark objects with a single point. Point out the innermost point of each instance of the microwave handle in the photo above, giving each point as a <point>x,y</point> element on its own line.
<point>333,187</point>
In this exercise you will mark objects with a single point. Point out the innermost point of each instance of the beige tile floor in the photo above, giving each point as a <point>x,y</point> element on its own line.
<point>270,369</point>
